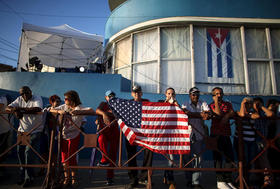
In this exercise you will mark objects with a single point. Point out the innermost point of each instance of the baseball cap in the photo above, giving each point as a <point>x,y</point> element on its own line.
<point>109,93</point>
<point>194,90</point>
<point>136,88</point>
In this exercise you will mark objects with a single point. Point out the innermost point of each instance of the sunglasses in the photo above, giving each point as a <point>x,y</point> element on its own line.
<point>24,93</point>
<point>66,99</point>
<point>194,94</point>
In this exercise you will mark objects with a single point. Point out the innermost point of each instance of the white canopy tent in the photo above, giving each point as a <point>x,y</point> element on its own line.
<point>59,47</point>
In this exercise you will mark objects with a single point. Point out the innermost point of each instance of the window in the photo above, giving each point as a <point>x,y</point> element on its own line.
<point>123,57</point>
<point>175,59</point>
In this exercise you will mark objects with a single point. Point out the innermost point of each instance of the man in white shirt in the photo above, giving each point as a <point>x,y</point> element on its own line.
<point>197,111</point>
<point>25,108</point>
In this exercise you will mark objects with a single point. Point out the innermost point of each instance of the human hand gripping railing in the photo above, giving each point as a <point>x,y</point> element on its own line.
<point>23,137</point>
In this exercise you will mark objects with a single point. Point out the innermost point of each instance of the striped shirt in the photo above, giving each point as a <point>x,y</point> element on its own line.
<point>248,132</point>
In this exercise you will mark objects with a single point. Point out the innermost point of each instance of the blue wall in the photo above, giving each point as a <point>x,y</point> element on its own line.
<point>136,11</point>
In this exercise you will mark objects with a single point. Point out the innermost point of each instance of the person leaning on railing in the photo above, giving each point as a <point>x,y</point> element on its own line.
<point>247,116</point>
<point>261,126</point>
<point>5,132</point>
<point>220,129</point>
<point>25,108</point>
<point>273,134</point>
<point>74,116</point>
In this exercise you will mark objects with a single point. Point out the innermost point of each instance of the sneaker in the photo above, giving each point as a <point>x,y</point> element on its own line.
<point>133,184</point>
<point>20,181</point>
<point>231,185</point>
<point>223,185</point>
<point>189,184</point>
<point>100,164</point>
<point>197,186</point>
<point>109,182</point>
<point>143,181</point>
<point>27,183</point>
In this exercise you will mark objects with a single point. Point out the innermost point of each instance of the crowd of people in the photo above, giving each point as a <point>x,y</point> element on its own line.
<point>256,131</point>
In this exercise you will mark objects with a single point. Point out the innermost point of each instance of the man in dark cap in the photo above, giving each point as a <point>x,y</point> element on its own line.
<point>131,150</point>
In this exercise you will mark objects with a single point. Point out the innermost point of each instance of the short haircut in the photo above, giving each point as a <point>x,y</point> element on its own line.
<point>169,88</point>
<point>74,97</point>
<point>258,99</point>
<point>219,88</point>
<point>26,89</point>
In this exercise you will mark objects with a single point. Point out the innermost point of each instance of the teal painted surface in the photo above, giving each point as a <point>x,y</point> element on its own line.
<point>136,11</point>
<point>91,88</point>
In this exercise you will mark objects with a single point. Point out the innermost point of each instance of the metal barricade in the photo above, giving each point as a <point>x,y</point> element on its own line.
<point>54,165</point>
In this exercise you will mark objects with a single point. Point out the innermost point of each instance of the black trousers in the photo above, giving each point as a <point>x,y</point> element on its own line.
<point>131,151</point>
<point>147,162</point>
<point>226,149</point>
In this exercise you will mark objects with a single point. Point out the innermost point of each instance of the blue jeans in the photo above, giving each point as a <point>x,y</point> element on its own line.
<point>27,156</point>
<point>196,149</point>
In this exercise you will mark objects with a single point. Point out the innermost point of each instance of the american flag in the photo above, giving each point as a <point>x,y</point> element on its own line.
<point>158,126</point>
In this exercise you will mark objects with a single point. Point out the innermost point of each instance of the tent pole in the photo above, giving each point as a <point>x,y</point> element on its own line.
<point>22,32</point>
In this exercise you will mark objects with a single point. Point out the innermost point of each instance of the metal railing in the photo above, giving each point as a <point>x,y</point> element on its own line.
<point>55,171</point>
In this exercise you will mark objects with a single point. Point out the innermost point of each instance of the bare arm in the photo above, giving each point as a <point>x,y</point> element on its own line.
<point>105,115</point>
<point>217,109</point>
<point>31,110</point>
<point>88,111</point>
<point>267,112</point>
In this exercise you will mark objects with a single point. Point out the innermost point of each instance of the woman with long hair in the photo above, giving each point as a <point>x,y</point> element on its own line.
<point>73,116</point>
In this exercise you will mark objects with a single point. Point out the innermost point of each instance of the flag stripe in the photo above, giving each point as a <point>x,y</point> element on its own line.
<point>166,139</point>
<point>229,61</point>
<point>160,127</point>
<point>219,63</point>
<point>163,111</point>
<point>209,55</point>
<point>170,115</point>
<point>165,123</point>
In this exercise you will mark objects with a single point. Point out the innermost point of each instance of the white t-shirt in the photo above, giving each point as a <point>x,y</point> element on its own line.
<point>4,126</point>
<point>69,131</point>
<point>196,122</point>
<point>28,121</point>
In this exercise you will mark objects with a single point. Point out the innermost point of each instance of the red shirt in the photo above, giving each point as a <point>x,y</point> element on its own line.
<point>216,127</point>
<point>113,127</point>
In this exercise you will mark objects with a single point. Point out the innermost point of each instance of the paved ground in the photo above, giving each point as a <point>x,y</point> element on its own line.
<point>97,179</point>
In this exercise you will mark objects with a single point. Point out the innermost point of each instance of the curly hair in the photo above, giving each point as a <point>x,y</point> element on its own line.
<point>74,97</point>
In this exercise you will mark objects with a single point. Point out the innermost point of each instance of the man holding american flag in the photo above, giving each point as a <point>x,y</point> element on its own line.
<point>158,126</point>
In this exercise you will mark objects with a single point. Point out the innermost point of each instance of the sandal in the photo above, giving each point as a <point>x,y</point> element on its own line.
<point>74,182</point>
<point>66,182</point>
<point>267,180</point>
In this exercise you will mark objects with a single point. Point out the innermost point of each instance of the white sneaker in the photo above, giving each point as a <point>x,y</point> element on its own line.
<point>223,185</point>
<point>231,185</point>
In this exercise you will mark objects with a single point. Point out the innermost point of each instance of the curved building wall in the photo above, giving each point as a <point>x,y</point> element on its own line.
<point>181,44</point>
<point>133,12</point>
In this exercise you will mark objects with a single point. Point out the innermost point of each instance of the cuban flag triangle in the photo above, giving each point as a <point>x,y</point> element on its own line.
<point>219,58</point>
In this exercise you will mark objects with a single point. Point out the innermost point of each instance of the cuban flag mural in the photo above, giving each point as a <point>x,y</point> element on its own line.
<point>219,53</point>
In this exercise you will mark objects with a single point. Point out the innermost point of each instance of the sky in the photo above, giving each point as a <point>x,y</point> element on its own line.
<point>86,15</point>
